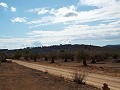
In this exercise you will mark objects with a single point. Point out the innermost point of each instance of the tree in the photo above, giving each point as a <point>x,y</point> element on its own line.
<point>71,56</point>
<point>3,57</point>
<point>92,57</point>
<point>52,56</point>
<point>26,53</point>
<point>45,56</point>
<point>82,55</point>
<point>63,55</point>
<point>115,56</point>
<point>17,55</point>
<point>33,56</point>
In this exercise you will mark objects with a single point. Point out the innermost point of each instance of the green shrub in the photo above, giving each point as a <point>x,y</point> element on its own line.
<point>2,57</point>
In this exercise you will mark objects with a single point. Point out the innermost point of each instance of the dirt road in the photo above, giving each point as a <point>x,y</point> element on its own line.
<point>92,79</point>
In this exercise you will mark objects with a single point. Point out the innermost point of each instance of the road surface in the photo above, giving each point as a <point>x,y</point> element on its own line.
<point>91,79</point>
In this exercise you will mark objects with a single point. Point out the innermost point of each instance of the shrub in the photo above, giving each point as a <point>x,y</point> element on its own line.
<point>2,57</point>
<point>79,77</point>
<point>116,61</point>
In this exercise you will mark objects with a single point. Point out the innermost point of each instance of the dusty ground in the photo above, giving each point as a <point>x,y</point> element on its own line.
<point>104,68</point>
<point>16,77</point>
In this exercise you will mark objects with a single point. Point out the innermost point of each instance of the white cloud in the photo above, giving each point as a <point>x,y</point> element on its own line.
<point>38,10</point>
<point>40,22</point>
<point>107,33</point>
<point>17,43</point>
<point>79,32</point>
<point>70,14</point>
<point>98,3</point>
<point>13,9</point>
<point>55,16</point>
<point>66,11</point>
<point>19,19</point>
<point>36,44</point>
<point>106,13</point>
<point>3,5</point>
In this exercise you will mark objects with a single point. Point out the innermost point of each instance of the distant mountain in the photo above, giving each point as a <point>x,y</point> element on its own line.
<point>113,47</point>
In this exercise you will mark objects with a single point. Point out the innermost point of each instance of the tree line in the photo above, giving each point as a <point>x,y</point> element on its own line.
<point>79,56</point>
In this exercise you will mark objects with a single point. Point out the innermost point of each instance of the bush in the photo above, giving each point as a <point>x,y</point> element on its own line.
<point>79,77</point>
<point>116,61</point>
<point>2,57</point>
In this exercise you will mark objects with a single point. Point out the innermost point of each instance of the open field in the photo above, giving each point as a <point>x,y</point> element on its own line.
<point>91,78</point>
<point>16,77</point>
<point>104,68</point>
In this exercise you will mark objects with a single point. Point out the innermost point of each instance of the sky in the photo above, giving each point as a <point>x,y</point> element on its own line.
<point>32,23</point>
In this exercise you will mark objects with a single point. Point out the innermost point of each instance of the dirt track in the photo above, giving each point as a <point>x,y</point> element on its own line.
<point>18,77</point>
<point>92,79</point>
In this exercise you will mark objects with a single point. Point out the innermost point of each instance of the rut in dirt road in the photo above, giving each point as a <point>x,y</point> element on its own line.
<point>92,79</point>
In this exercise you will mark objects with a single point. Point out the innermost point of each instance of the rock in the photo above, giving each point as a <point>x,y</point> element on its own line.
<point>105,87</point>
<point>45,77</point>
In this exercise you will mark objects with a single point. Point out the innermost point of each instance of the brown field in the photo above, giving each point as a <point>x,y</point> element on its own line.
<point>16,77</point>
<point>104,68</point>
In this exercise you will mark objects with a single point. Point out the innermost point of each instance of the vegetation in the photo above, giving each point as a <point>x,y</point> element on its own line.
<point>17,55</point>
<point>66,53</point>
<point>52,56</point>
<point>79,77</point>
<point>33,56</point>
<point>3,57</point>
<point>26,54</point>
<point>82,55</point>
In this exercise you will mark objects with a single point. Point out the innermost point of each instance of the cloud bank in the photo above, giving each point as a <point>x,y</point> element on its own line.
<point>98,25</point>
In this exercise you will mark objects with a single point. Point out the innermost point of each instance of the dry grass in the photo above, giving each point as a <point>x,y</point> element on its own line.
<point>79,77</point>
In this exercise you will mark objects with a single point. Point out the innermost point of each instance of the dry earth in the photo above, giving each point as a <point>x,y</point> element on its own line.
<point>104,68</point>
<point>91,78</point>
<point>16,77</point>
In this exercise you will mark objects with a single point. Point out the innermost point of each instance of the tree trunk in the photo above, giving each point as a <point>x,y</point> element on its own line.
<point>93,61</point>
<point>52,61</point>
<point>46,59</point>
<point>26,58</point>
<point>65,60</point>
<point>35,60</point>
<point>72,59</point>
<point>84,62</point>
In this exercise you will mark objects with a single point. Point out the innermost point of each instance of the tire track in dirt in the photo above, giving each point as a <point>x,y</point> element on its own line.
<point>91,78</point>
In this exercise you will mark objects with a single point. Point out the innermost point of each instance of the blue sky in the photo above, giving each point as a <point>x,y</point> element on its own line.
<point>30,23</point>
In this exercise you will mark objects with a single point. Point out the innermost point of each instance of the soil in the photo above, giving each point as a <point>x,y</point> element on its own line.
<point>16,77</point>
<point>104,68</point>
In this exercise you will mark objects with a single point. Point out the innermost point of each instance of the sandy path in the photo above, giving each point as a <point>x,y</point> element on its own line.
<point>91,78</point>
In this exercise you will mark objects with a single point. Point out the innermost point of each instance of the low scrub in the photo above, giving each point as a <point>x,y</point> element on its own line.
<point>116,61</point>
<point>79,77</point>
